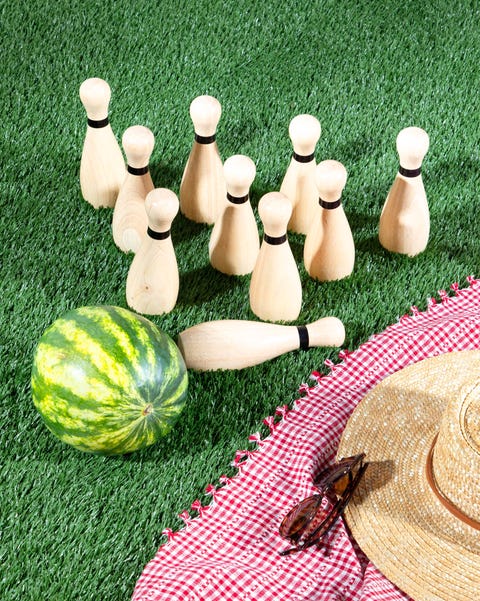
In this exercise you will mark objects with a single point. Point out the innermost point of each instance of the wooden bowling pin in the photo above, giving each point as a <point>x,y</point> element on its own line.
<point>129,222</point>
<point>153,281</point>
<point>329,250</point>
<point>275,286</point>
<point>202,189</point>
<point>234,242</point>
<point>299,181</point>
<point>235,344</point>
<point>405,218</point>
<point>102,167</point>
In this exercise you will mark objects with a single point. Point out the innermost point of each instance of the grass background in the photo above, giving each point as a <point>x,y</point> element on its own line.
<point>74,526</point>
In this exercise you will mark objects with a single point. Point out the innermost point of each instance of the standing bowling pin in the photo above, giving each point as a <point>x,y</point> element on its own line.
<point>102,168</point>
<point>129,222</point>
<point>329,250</point>
<point>405,218</point>
<point>202,189</point>
<point>234,242</point>
<point>299,181</point>
<point>275,287</point>
<point>153,281</point>
<point>235,344</point>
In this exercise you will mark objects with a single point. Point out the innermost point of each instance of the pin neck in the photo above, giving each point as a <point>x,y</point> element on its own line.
<point>409,172</point>
<point>237,200</point>
<point>304,158</point>
<point>205,139</point>
<point>98,123</point>
<point>303,338</point>
<point>137,170</point>
<point>329,205</point>
<point>275,240</point>
<point>158,235</point>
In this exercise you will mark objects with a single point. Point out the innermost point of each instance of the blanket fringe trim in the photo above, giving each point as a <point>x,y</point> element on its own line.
<point>243,457</point>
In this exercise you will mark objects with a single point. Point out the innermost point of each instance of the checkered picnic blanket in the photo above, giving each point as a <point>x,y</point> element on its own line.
<point>228,550</point>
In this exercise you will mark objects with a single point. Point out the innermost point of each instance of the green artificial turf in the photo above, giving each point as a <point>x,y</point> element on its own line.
<point>80,527</point>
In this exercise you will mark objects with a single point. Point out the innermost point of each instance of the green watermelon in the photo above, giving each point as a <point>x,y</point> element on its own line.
<point>108,381</point>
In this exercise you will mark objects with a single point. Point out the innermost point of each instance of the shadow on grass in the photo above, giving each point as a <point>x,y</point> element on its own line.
<point>240,134</point>
<point>296,244</point>
<point>449,173</point>
<point>369,244</point>
<point>204,284</point>
<point>185,230</point>
<point>354,150</point>
<point>167,176</point>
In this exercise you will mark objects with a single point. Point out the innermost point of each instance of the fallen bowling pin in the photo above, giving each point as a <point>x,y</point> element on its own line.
<point>102,167</point>
<point>405,219</point>
<point>153,280</point>
<point>235,344</point>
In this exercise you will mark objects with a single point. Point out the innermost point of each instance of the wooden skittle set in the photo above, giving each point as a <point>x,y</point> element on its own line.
<point>216,193</point>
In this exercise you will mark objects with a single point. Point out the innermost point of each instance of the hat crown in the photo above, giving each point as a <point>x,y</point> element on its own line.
<point>456,455</point>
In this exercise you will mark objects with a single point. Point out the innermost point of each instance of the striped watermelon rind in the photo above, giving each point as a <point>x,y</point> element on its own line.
<point>108,381</point>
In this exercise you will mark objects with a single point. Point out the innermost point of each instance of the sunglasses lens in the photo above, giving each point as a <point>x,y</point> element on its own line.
<point>341,485</point>
<point>335,473</point>
<point>311,519</point>
<point>316,527</point>
<point>298,518</point>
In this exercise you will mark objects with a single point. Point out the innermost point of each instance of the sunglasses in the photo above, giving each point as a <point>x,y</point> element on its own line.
<point>310,520</point>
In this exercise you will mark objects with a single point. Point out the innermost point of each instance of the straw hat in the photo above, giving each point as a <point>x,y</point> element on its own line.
<point>417,511</point>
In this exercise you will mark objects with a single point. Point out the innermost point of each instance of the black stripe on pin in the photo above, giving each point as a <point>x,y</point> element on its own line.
<point>409,172</point>
<point>237,200</point>
<point>98,124</point>
<point>303,158</point>
<point>274,240</point>
<point>137,170</point>
<point>205,139</point>
<point>158,235</point>
<point>303,336</point>
<point>329,205</point>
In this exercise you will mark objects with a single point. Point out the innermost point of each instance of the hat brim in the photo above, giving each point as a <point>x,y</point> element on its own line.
<point>396,518</point>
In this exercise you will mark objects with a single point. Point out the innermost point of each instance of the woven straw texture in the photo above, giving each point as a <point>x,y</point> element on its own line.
<point>396,517</point>
<point>456,460</point>
<point>228,549</point>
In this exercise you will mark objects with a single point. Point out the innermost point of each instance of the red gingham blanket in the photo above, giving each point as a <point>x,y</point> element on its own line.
<point>229,551</point>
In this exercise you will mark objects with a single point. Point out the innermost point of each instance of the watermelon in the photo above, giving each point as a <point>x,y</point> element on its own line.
<point>108,381</point>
